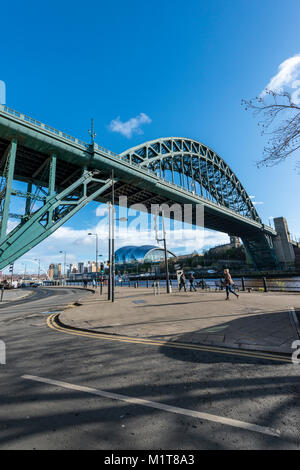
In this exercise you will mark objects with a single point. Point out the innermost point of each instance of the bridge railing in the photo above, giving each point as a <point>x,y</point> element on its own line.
<point>52,130</point>
<point>41,125</point>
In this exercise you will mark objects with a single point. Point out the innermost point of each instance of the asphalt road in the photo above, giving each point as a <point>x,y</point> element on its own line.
<point>190,397</point>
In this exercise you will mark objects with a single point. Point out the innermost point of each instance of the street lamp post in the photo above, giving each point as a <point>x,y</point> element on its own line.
<point>39,268</point>
<point>109,253</point>
<point>165,250</point>
<point>97,250</point>
<point>111,242</point>
<point>24,264</point>
<point>113,238</point>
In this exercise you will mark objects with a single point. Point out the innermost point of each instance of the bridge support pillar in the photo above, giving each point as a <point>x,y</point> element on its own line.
<point>283,243</point>
<point>8,175</point>
<point>261,251</point>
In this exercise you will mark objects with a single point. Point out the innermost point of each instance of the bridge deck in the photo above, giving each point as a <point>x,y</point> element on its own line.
<point>36,141</point>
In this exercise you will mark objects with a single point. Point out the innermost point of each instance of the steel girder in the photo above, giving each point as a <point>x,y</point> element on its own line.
<point>194,166</point>
<point>56,209</point>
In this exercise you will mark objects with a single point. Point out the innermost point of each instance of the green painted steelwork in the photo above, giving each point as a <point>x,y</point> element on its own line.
<point>8,175</point>
<point>171,170</point>
<point>57,209</point>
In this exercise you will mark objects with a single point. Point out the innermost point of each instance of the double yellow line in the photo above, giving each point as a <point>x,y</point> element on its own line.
<point>53,322</point>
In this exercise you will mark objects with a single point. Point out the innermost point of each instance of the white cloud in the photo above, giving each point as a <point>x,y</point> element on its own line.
<point>101,211</point>
<point>255,203</point>
<point>81,247</point>
<point>130,127</point>
<point>288,72</point>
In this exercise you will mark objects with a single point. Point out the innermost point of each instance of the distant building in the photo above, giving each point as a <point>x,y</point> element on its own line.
<point>54,271</point>
<point>91,267</point>
<point>140,254</point>
<point>217,250</point>
<point>80,267</point>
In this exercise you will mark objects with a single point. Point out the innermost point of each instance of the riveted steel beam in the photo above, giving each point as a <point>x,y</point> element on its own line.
<point>11,158</point>
<point>55,212</point>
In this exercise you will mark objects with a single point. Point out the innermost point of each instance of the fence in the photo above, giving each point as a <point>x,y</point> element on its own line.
<point>261,284</point>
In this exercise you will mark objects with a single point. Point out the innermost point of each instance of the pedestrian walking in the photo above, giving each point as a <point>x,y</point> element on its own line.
<point>182,282</point>
<point>228,284</point>
<point>192,280</point>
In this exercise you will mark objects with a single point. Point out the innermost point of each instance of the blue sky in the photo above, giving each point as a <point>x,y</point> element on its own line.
<point>185,65</point>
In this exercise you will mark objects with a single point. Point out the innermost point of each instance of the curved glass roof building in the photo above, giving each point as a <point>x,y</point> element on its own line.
<point>140,254</point>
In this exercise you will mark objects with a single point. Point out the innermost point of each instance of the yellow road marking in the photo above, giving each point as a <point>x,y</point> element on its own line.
<point>52,323</point>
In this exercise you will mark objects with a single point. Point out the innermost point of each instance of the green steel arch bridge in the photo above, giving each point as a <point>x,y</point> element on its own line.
<point>63,174</point>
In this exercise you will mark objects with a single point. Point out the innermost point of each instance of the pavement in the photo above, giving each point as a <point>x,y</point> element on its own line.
<point>71,390</point>
<point>255,321</point>
<point>11,295</point>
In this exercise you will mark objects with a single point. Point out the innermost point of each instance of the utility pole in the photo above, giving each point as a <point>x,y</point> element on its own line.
<point>109,252</point>
<point>113,238</point>
<point>165,248</point>
<point>39,268</point>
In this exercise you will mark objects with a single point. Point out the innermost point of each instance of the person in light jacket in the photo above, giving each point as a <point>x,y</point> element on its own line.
<point>228,284</point>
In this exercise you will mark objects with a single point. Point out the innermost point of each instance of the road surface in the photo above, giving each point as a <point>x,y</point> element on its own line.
<point>70,391</point>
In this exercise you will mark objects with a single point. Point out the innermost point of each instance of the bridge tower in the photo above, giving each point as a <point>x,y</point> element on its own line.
<point>283,243</point>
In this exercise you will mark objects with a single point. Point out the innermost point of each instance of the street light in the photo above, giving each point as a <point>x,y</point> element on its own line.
<point>39,268</point>
<point>111,244</point>
<point>24,264</point>
<point>163,239</point>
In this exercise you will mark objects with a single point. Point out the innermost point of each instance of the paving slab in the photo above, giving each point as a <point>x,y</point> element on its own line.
<point>255,321</point>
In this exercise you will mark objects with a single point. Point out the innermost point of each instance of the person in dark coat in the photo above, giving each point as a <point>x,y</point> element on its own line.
<point>182,282</point>
<point>192,280</point>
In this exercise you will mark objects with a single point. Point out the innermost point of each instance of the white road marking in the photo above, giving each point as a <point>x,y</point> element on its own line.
<point>294,320</point>
<point>159,406</point>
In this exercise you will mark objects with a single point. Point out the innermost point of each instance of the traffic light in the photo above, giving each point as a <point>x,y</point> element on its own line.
<point>108,263</point>
<point>11,268</point>
<point>102,268</point>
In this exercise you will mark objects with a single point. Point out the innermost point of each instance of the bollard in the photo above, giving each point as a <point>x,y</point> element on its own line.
<point>2,292</point>
<point>156,288</point>
<point>265,284</point>
<point>243,284</point>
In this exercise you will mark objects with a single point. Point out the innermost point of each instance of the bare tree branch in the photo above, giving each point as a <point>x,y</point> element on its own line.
<point>285,135</point>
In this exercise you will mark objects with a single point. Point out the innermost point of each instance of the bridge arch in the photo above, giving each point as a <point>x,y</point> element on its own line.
<point>196,167</point>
